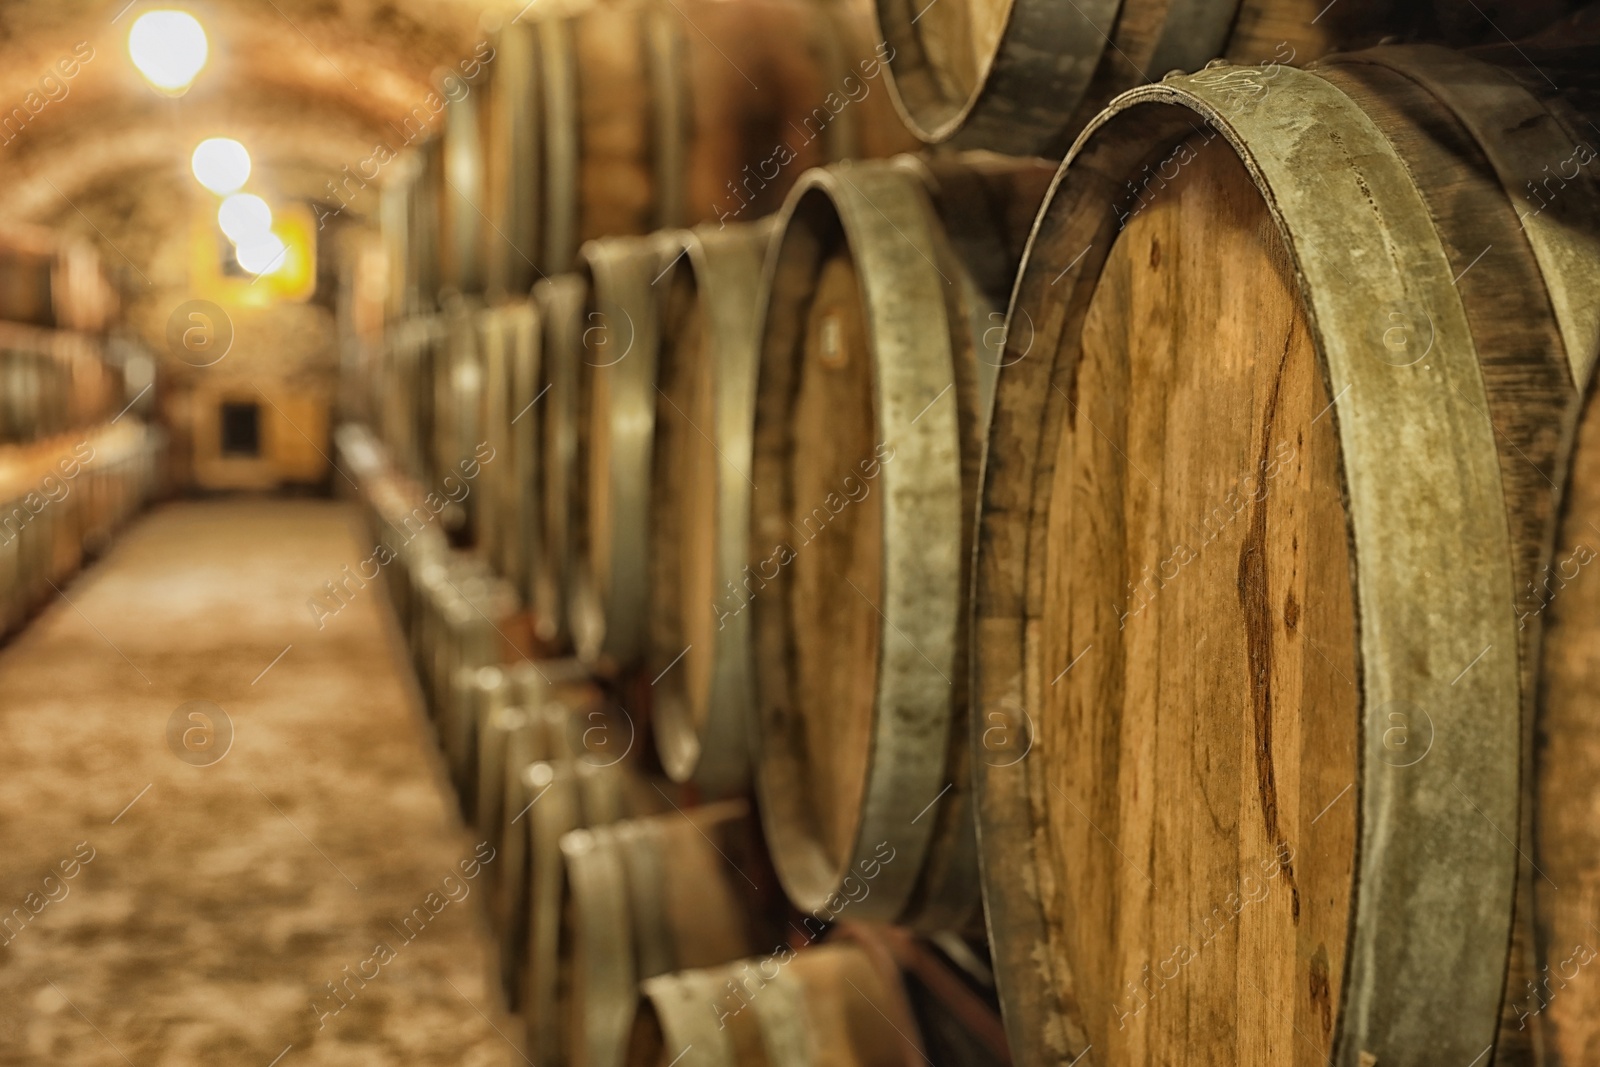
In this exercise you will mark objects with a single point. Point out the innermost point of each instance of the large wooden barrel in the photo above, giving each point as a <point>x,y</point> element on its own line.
<point>659,115</point>
<point>837,1005</point>
<point>649,896</point>
<point>1024,76</point>
<point>698,643</point>
<point>559,302</point>
<point>1273,449</point>
<point>884,294</point>
<point>610,505</point>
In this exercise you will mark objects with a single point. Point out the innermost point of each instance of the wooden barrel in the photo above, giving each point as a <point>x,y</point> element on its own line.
<point>424,211</point>
<point>698,645</point>
<point>559,302</point>
<point>407,394</point>
<point>508,341</point>
<point>458,428</point>
<point>462,233</point>
<point>491,503</point>
<point>481,694</point>
<point>511,152</point>
<point>885,290</point>
<point>648,896</point>
<point>511,731</point>
<point>1272,451</point>
<point>837,1005</point>
<point>1025,76</point>
<point>610,505</point>
<point>573,795</point>
<point>557,722</point>
<point>658,115</point>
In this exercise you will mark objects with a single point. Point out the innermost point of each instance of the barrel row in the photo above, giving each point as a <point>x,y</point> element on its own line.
<point>608,878</point>
<point>53,281</point>
<point>61,501</point>
<point>52,382</point>
<point>1296,796</point>
<point>581,120</point>
<point>615,117</point>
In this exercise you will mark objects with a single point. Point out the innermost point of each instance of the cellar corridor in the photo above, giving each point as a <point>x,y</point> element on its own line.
<point>198,892</point>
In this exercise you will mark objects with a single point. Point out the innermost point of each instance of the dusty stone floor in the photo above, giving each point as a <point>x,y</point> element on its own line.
<point>217,901</point>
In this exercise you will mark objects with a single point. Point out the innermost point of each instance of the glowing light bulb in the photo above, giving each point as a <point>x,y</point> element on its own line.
<point>262,254</point>
<point>221,164</point>
<point>169,48</point>
<point>244,217</point>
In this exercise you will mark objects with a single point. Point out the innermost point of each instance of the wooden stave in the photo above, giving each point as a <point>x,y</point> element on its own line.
<point>617,412</point>
<point>621,875</point>
<point>1041,1025</point>
<point>560,303</point>
<point>884,209</point>
<point>728,265</point>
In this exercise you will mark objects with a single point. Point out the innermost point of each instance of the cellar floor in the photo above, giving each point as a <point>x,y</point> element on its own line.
<point>210,903</point>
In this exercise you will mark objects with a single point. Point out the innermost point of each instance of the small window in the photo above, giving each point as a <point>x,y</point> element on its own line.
<point>241,429</point>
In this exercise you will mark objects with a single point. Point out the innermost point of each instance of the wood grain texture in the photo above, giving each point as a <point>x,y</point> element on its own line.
<point>1202,599</point>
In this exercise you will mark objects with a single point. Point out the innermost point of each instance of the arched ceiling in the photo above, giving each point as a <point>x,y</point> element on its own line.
<point>310,86</point>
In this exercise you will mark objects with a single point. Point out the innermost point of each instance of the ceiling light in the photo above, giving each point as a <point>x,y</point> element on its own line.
<point>169,48</point>
<point>221,164</point>
<point>262,254</point>
<point>244,216</point>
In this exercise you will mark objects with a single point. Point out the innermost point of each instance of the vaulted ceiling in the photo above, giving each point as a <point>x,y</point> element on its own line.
<point>308,85</point>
